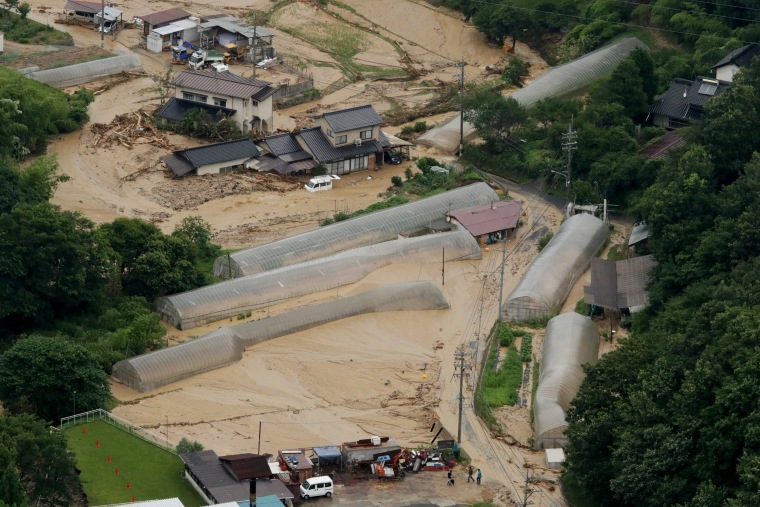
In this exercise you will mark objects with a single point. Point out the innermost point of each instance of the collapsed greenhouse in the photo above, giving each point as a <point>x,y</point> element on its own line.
<point>226,345</point>
<point>557,82</point>
<point>571,341</point>
<point>549,279</point>
<point>364,230</point>
<point>79,73</point>
<point>239,295</point>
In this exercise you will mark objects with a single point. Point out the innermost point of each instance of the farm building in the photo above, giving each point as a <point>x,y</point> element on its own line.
<point>571,341</point>
<point>618,285</point>
<point>168,27</point>
<point>211,480</point>
<point>223,29</point>
<point>343,141</point>
<point>488,222</point>
<point>367,229</point>
<point>84,11</point>
<point>549,279</point>
<point>217,158</point>
<point>366,451</point>
<point>247,101</point>
<point>225,345</point>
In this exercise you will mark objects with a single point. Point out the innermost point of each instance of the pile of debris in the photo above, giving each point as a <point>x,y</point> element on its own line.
<point>129,129</point>
<point>189,193</point>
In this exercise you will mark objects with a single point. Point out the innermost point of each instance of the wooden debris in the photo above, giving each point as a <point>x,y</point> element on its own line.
<point>129,129</point>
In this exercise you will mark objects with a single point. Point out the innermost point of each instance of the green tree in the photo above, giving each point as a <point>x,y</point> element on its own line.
<point>495,117</point>
<point>186,445</point>
<point>24,9</point>
<point>35,458</point>
<point>41,374</point>
<point>198,233</point>
<point>52,263</point>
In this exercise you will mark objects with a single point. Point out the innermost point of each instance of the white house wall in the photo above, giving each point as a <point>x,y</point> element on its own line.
<point>727,72</point>
<point>215,168</point>
<point>351,135</point>
<point>244,110</point>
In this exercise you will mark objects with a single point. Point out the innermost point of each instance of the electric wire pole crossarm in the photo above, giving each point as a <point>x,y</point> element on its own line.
<point>461,106</point>
<point>569,144</point>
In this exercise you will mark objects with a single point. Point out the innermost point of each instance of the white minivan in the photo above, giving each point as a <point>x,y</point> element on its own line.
<point>318,183</point>
<point>317,486</point>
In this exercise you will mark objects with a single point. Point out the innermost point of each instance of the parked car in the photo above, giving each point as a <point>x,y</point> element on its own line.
<point>317,486</point>
<point>392,157</point>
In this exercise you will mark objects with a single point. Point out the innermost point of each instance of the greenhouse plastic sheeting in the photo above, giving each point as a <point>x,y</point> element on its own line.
<point>549,279</point>
<point>559,81</point>
<point>571,341</point>
<point>73,75</point>
<point>225,345</point>
<point>239,295</point>
<point>364,230</point>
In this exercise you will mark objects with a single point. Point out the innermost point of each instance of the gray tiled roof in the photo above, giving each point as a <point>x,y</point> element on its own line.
<point>90,7</point>
<point>324,151</point>
<point>211,154</point>
<point>741,57</point>
<point>353,118</point>
<point>282,143</point>
<point>208,470</point>
<point>175,109</point>
<point>178,165</point>
<point>683,100</point>
<point>227,84</point>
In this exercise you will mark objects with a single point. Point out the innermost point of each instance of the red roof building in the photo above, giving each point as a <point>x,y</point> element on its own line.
<point>501,216</point>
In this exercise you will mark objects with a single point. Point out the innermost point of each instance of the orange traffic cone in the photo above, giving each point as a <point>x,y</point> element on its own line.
<point>109,458</point>
<point>127,485</point>
<point>133,498</point>
<point>117,471</point>
<point>84,429</point>
<point>97,443</point>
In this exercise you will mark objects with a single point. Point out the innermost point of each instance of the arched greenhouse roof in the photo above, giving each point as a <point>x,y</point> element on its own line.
<point>72,75</point>
<point>364,230</point>
<point>226,345</point>
<point>571,341</point>
<point>238,295</point>
<point>549,279</point>
<point>557,82</point>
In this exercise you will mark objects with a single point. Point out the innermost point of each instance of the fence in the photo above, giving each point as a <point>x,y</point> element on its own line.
<point>161,441</point>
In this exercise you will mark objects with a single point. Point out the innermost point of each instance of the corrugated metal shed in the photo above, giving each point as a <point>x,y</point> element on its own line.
<point>488,218</point>
<point>89,7</point>
<point>353,118</point>
<point>619,284</point>
<point>247,465</point>
<point>166,16</point>
<point>227,84</point>
<point>639,233</point>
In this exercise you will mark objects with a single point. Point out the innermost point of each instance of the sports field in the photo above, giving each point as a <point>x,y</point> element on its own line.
<point>136,468</point>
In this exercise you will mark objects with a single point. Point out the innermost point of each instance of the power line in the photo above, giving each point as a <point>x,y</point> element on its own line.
<point>684,11</point>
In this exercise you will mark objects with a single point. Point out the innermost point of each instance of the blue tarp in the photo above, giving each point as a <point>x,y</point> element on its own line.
<point>268,501</point>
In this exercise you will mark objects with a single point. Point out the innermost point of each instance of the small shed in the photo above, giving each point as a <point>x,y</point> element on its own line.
<point>162,18</point>
<point>555,458</point>
<point>247,467</point>
<point>366,451</point>
<point>327,458</point>
<point>296,462</point>
<point>490,222</point>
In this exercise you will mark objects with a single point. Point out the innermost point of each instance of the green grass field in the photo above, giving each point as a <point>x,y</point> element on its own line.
<point>151,472</point>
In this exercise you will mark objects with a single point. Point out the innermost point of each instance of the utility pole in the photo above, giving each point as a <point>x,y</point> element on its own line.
<point>528,491</point>
<point>569,144</point>
<point>461,105</point>
<point>102,23</point>
<point>258,451</point>
<point>459,356</point>
<point>443,266</point>
<point>167,430</point>
<point>503,261</point>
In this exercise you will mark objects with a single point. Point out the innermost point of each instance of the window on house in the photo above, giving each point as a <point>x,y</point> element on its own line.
<point>194,97</point>
<point>330,133</point>
<point>341,139</point>
<point>365,134</point>
<point>220,102</point>
<point>254,103</point>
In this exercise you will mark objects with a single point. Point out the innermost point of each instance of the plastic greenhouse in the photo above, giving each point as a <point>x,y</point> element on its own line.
<point>547,282</point>
<point>364,230</point>
<point>232,297</point>
<point>559,81</point>
<point>79,73</point>
<point>571,341</point>
<point>225,345</point>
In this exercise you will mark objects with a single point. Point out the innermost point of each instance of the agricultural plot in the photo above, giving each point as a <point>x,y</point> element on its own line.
<point>118,467</point>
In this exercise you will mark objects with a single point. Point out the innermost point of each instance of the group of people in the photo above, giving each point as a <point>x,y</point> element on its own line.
<point>470,471</point>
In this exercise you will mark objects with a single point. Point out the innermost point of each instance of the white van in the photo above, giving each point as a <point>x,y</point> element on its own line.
<point>317,486</point>
<point>318,183</point>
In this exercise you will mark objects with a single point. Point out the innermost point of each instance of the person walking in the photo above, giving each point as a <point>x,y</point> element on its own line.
<point>469,474</point>
<point>480,475</point>
<point>451,480</point>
